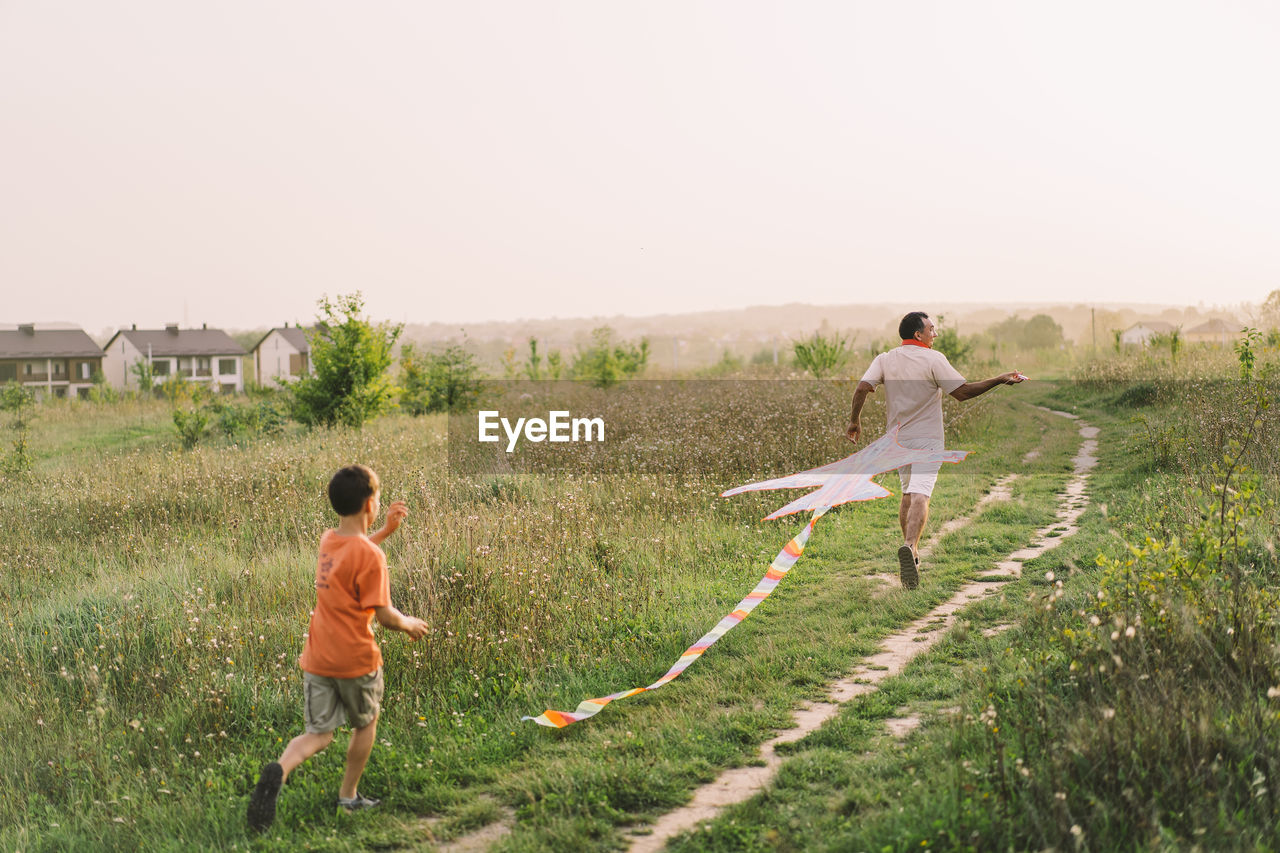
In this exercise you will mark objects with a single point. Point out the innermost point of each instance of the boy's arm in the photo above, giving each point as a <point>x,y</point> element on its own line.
<point>389,617</point>
<point>395,514</point>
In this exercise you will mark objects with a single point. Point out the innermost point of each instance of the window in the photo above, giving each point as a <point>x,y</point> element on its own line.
<point>26,368</point>
<point>227,366</point>
<point>86,370</point>
<point>8,371</point>
<point>58,368</point>
<point>160,368</point>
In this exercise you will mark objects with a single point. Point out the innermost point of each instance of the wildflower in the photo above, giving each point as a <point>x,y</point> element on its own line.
<point>1273,692</point>
<point>1108,713</point>
<point>1049,576</point>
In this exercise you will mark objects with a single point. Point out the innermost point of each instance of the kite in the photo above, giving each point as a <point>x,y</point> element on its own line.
<point>839,483</point>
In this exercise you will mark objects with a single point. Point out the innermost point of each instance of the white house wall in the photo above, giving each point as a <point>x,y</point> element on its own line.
<point>272,357</point>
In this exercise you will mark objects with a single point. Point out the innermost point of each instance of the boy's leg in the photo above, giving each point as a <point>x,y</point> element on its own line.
<point>301,748</point>
<point>363,697</point>
<point>358,750</point>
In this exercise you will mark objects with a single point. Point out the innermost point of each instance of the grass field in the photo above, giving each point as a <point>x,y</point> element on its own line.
<point>155,601</point>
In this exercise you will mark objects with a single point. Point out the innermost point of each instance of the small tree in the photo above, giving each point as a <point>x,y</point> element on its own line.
<point>820,354</point>
<point>192,425</point>
<point>1270,314</point>
<point>350,356</point>
<point>606,361</point>
<point>19,402</point>
<point>101,392</point>
<point>1175,343</point>
<point>950,344</point>
<point>1245,353</point>
<point>143,372</point>
<point>438,382</point>
<point>555,364</point>
<point>533,364</point>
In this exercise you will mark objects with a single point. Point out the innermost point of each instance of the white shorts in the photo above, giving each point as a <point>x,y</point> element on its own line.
<point>920,478</point>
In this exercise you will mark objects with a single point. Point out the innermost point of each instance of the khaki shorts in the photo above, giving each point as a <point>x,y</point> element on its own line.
<point>333,702</point>
<point>921,477</point>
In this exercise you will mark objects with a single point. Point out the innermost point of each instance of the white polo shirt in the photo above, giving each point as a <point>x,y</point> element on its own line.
<point>914,379</point>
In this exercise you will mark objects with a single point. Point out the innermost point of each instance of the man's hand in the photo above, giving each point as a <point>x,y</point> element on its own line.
<point>1012,378</point>
<point>854,432</point>
<point>414,627</point>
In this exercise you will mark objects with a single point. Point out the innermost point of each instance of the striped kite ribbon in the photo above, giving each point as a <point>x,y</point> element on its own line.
<point>838,483</point>
<point>777,571</point>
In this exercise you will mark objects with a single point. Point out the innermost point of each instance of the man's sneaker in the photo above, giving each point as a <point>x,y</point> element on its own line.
<point>262,802</point>
<point>908,569</point>
<point>359,801</point>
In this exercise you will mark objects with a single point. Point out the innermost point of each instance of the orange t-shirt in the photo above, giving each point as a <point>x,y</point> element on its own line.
<point>351,580</point>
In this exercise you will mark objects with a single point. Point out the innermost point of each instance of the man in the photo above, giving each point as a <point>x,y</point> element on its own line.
<point>915,377</point>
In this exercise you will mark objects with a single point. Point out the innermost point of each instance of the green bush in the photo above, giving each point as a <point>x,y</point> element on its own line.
<point>437,382</point>
<point>350,356</point>
<point>20,403</point>
<point>821,355</point>
<point>606,362</point>
<point>192,426</point>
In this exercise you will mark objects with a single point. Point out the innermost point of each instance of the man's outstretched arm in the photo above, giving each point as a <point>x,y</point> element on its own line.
<point>969,390</point>
<point>854,432</point>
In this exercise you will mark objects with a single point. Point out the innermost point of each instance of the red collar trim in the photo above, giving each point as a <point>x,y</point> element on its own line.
<point>912,342</point>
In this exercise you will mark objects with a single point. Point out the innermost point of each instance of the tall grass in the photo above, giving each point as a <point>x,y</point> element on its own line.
<point>1141,704</point>
<point>154,599</point>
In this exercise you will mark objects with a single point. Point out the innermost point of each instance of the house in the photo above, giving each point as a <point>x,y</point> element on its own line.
<point>203,355</point>
<point>52,362</point>
<point>1141,332</point>
<point>1215,331</point>
<point>282,354</point>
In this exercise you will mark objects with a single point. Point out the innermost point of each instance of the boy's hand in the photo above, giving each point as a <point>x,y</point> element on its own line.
<point>396,513</point>
<point>414,627</point>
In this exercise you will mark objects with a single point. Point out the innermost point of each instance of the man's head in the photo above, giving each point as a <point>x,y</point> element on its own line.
<point>352,490</point>
<point>917,326</point>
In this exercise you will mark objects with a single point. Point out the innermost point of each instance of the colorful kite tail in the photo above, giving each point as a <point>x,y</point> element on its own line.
<point>777,571</point>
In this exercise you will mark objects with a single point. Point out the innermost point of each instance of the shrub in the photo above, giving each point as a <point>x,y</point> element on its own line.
<point>19,402</point>
<point>821,355</point>
<point>949,343</point>
<point>350,356</point>
<point>192,425</point>
<point>606,361</point>
<point>437,382</point>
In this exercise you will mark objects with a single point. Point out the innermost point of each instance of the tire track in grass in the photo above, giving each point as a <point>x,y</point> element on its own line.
<point>740,783</point>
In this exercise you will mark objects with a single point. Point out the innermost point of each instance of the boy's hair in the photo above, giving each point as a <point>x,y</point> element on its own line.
<point>351,487</point>
<point>912,323</point>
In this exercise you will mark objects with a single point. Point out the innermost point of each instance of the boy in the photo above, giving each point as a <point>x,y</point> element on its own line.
<point>341,662</point>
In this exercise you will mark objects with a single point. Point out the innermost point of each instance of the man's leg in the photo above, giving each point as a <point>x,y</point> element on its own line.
<point>913,517</point>
<point>357,756</point>
<point>913,512</point>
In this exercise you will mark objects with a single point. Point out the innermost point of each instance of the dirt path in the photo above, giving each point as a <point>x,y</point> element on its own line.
<point>736,785</point>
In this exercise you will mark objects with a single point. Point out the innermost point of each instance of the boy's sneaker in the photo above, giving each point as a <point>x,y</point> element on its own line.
<point>908,570</point>
<point>358,802</point>
<point>262,802</point>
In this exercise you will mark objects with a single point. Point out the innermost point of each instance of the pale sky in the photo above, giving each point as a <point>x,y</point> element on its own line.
<point>229,162</point>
